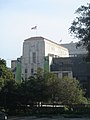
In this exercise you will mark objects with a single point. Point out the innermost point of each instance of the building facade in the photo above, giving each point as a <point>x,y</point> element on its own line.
<point>38,53</point>
<point>16,68</point>
<point>75,51</point>
<point>75,67</point>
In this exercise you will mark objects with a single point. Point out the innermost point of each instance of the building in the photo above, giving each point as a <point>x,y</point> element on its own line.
<point>75,67</point>
<point>62,67</point>
<point>38,53</point>
<point>75,51</point>
<point>16,68</point>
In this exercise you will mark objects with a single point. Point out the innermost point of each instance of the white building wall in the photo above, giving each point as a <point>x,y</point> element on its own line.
<point>31,46</point>
<point>39,47</point>
<point>60,74</point>
<point>75,51</point>
<point>55,49</point>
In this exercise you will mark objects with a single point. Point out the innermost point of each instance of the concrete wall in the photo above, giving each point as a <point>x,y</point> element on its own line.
<point>75,51</point>
<point>55,49</point>
<point>35,51</point>
<point>61,74</point>
<point>33,54</point>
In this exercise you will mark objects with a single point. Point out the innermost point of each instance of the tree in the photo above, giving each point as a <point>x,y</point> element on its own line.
<point>80,27</point>
<point>6,83</point>
<point>5,73</point>
<point>65,91</point>
<point>38,88</point>
<point>2,62</point>
<point>46,87</point>
<point>9,94</point>
<point>70,92</point>
<point>51,83</point>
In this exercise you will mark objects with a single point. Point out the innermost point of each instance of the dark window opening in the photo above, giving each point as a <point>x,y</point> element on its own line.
<point>64,74</point>
<point>32,71</point>
<point>25,70</point>
<point>34,57</point>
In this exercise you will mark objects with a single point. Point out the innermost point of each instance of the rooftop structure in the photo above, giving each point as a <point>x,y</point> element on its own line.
<point>75,51</point>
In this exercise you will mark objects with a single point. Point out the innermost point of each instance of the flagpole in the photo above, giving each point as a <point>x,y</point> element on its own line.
<point>36,32</point>
<point>36,29</point>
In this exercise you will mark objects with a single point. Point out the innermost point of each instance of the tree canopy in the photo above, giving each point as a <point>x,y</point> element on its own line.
<point>5,73</point>
<point>80,27</point>
<point>70,91</point>
<point>46,87</point>
<point>43,87</point>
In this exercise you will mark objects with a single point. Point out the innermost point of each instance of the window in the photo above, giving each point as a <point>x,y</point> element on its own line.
<point>34,57</point>
<point>25,77</point>
<point>32,71</point>
<point>25,70</point>
<point>64,74</point>
<point>14,75</point>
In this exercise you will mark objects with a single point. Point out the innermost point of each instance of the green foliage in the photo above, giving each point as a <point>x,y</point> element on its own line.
<point>1,82</point>
<point>47,87</point>
<point>43,87</point>
<point>52,83</point>
<point>5,73</point>
<point>2,62</point>
<point>80,27</point>
<point>9,94</point>
<point>70,92</point>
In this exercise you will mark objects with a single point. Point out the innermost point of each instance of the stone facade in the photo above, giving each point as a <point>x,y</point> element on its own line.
<point>38,53</point>
<point>75,51</point>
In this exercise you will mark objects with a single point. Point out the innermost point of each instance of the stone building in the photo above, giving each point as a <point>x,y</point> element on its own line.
<point>38,53</point>
<point>75,51</point>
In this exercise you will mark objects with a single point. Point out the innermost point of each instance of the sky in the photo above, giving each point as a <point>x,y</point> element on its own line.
<point>53,18</point>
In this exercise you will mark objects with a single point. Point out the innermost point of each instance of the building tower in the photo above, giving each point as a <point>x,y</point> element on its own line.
<point>38,53</point>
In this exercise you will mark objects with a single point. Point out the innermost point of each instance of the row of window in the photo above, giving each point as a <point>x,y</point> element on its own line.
<point>26,71</point>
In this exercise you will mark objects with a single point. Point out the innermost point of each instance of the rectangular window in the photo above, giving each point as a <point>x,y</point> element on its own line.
<point>32,71</point>
<point>25,70</point>
<point>65,74</point>
<point>34,57</point>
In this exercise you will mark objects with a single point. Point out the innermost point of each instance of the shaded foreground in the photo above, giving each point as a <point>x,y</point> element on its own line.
<point>46,118</point>
<point>66,111</point>
<point>53,113</point>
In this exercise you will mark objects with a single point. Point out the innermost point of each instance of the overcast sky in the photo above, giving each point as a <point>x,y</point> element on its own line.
<point>52,17</point>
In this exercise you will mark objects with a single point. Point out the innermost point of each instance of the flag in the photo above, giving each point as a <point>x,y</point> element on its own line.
<point>60,40</point>
<point>34,28</point>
